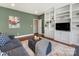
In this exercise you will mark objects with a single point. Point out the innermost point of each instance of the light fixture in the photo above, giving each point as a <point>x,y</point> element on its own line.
<point>12,4</point>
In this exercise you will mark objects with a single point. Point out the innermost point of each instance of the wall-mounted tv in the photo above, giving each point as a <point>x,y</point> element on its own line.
<point>63,26</point>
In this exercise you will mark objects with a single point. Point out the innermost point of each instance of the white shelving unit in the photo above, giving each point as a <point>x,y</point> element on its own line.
<point>46,23</point>
<point>75,13</point>
<point>75,24</point>
<point>54,16</point>
<point>52,23</point>
<point>68,13</point>
<point>63,16</point>
<point>49,23</point>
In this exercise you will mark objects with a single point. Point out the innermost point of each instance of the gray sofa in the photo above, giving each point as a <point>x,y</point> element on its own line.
<point>14,48</point>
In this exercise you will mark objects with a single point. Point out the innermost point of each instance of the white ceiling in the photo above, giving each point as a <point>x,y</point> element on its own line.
<point>33,8</point>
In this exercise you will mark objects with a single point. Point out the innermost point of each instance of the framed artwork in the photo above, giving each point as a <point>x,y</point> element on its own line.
<point>14,22</point>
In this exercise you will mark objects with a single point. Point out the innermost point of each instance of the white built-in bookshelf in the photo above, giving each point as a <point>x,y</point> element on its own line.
<point>49,23</point>
<point>75,24</point>
<point>68,13</point>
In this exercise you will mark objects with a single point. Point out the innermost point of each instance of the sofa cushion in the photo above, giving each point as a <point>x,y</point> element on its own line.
<point>4,39</point>
<point>11,45</point>
<point>49,48</point>
<point>19,51</point>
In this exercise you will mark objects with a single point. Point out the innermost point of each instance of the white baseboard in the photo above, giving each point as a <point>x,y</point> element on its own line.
<point>23,35</point>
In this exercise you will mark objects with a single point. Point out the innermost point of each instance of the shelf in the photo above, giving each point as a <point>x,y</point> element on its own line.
<point>75,19</point>
<point>63,16</point>
<point>75,7</point>
<point>75,10</point>
<point>63,12</point>
<point>62,21</point>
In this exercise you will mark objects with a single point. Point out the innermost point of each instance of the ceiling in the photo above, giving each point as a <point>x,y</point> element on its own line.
<point>33,8</point>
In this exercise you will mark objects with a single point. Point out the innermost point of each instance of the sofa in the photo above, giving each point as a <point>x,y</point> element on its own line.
<point>14,48</point>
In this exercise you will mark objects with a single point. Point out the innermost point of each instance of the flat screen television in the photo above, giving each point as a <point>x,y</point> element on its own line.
<point>63,26</point>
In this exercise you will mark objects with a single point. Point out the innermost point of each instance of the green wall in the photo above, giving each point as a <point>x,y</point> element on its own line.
<point>42,17</point>
<point>26,21</point>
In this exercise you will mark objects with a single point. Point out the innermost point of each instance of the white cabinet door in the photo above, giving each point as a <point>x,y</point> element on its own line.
<point>65,37</point>
<point>52,33</point>
<point>74,38</point>
<point>62,36</point>
<point>46,32</point>
<point>58,35</point>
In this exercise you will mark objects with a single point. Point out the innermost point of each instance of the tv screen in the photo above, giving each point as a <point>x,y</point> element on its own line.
<point>63,26</point>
